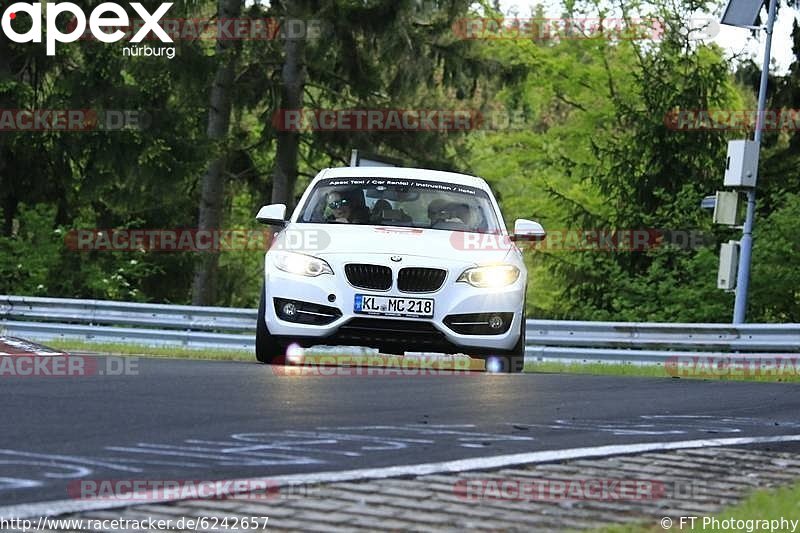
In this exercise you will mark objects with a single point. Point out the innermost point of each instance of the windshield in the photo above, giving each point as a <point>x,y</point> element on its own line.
<point>401,202</point>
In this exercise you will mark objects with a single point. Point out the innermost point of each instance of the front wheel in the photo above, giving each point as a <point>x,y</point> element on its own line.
<point>268,349</point>
<point>517,354</point>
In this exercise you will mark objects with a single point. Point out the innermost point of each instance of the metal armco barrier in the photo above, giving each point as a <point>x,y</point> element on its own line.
<point>45,319</point>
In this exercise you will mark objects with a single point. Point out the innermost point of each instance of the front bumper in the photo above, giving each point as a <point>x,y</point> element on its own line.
<point>335,296</point>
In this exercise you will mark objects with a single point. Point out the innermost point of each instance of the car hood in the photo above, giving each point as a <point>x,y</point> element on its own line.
<point>326,240</point>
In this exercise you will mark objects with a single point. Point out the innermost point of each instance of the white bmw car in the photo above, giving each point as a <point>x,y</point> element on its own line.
<point>398,259</point>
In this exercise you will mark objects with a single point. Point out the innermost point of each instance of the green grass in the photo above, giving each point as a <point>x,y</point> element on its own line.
<point>603,369</point>
<point>760,505</point>
<point>596,369</point>
<point>765,505</point>
<point>149,351</point>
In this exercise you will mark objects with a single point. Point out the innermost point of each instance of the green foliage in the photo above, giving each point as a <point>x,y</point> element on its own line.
<point>599,153</point>
<point>26,255</point>
<point>35,258</point>
<point>593,151</point>
<point>776,277</point>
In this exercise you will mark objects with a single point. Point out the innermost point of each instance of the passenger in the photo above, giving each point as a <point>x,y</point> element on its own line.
<point>460,213</point>
<point>448,215</point>
<point>378,210</point>
<point>437,211</point>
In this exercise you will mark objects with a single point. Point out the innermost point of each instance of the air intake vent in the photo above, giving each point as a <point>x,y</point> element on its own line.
<point>374,277</point>
<point>420,279</point>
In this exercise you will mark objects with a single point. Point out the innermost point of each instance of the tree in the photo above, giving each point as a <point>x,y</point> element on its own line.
<point>599,155</point>
<point>292,86</point>
<point>212,196</point>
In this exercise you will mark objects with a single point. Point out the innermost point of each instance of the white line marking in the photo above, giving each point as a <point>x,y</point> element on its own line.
<point>27,348</point>
<point>69,459</point>
<point>60,507</point>
<point>224,459</point>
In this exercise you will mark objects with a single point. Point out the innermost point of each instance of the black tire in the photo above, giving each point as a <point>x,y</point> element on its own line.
<point>517,354</point>
<point>268,349</point>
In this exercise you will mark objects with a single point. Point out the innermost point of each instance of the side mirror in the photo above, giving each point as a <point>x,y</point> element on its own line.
<point>274,214</point>
<point>528,230</point>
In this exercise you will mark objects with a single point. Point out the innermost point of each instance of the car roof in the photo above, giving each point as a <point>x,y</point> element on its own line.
<point>403,172</point>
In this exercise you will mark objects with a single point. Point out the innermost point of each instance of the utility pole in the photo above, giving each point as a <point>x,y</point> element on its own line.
<point>737,14</point>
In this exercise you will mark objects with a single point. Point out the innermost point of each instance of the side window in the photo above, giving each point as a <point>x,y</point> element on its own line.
<point>316,207</point>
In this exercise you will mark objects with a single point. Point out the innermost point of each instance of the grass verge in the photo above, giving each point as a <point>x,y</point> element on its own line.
<point>75,346</point>
<point>548,367</point>
<point>760,506</point>
<point>789,374</point>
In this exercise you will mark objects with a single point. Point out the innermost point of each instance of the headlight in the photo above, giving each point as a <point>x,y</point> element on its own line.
<point>490,276</point>
<point>304,265</point>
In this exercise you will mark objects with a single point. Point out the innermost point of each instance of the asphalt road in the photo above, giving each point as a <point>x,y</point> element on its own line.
<point>197,420</point>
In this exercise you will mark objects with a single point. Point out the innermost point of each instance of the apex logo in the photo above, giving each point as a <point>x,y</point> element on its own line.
<point>106,15</point>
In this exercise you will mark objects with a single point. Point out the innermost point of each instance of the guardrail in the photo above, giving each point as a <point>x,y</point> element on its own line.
<point>45,319</point>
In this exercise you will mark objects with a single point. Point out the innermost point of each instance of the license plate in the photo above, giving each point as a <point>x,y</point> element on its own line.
<point>393,306</point>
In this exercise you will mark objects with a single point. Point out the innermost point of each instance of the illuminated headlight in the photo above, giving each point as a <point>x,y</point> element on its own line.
<point>304,265</point>
<point>490,276</point>
<point>494,365</point>
<point>294,353</point>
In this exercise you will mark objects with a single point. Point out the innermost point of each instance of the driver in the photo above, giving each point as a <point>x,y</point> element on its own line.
<point>340,207</point>
<point>345,209</point>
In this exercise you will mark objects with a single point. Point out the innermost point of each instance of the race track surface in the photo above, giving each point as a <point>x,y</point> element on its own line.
<point>203,420</point>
